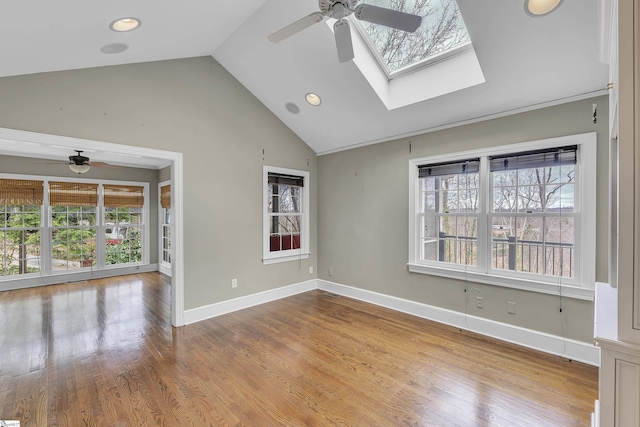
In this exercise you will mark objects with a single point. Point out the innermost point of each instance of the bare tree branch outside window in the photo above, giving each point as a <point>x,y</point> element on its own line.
<point>442,29</point>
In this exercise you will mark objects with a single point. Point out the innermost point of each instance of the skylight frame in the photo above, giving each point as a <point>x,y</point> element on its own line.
<point>434,59</point>
<point>426,62</point>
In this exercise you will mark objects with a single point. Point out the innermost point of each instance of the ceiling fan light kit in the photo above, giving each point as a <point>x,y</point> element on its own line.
<point>341,9</point>
<point>79,169</point>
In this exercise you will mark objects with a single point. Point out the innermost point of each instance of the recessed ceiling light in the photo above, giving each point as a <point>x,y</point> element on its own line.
<point>537,8</point>
<point>313,99</point>
<point>112,48</point>
<point>292,108</point>
<point>125,24</point>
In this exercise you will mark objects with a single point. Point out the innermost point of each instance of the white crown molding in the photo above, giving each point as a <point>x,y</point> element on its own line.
<point>479,119</point>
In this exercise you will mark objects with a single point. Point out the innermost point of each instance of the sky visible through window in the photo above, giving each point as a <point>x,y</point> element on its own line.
<point>442,29</point>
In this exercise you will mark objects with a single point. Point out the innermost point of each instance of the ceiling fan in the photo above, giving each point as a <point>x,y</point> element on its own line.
<point>340,9</point>
<point>81,164</point>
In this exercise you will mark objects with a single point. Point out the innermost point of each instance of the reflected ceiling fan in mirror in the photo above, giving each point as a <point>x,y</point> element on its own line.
<point>81,164</point>
<point>340,9</point>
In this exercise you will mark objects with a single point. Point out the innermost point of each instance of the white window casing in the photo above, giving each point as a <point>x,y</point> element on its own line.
<point>282,255</point>
<point>580,286</point>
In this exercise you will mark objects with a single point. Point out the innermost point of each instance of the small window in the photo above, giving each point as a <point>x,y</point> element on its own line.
<point>286,215</point>
<point>165,228</point>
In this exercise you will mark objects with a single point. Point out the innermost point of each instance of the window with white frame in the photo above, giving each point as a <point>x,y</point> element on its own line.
<point>285,214</point>
<point>533,213</point>
<point>20,225</point>
<point>166,236</point>
<point>449,211</point>
<point>165,227</point>
<point>73,226</point>
<point>123,223</point>
<point>521,215</point>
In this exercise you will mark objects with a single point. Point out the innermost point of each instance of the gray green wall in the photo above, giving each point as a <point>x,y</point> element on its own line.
<point>358,197</point>
<point>196,107</point>
<point>164,174</point>
<point>28,166</point>
<point>363,219</point>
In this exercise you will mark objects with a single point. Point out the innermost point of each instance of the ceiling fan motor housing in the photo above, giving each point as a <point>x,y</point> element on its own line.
<point>347,6</point>
<point>79,159</point>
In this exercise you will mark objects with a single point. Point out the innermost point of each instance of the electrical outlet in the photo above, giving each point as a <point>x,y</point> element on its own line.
<point>330,271</point>
<point>511,307</point>
<point>311,269</point>
<point>479,302</point>
<point>234,283</point>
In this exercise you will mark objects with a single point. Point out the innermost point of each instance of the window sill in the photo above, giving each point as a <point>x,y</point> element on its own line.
<point>507,282</point>
<point>286,258</point>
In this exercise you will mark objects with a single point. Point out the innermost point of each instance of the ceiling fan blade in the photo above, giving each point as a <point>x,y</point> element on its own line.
<point>388,17</point>
<point>343,40</point>
<point>102,165</point>
<point>296,27</point>
<point>61,162</point>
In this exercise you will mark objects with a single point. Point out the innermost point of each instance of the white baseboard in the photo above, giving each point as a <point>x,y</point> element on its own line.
<point>553,344</point>
<point>217,309</point>
<point>595,416</point>
<point>76,276</point>
<point>164,269</point>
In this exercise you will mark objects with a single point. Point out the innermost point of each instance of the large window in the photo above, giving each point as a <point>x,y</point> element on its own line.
<point>50,226</point>
<point>285,215</point>
<point>519,216</point>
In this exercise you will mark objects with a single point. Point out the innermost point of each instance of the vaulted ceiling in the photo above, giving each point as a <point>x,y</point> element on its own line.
<point>526,62</point>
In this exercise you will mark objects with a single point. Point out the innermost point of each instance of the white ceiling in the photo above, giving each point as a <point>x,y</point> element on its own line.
<point>526,61</point>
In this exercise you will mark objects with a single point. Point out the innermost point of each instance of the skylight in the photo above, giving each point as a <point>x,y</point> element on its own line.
<point>442,31</point>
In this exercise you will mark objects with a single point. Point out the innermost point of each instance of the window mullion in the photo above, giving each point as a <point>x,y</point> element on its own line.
<point>484,230</point>
<point>100,230</point>
<point>46,255</point>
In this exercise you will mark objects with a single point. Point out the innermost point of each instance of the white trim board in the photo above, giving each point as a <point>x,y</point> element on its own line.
<point>217,309</point>
<point>552,344</point>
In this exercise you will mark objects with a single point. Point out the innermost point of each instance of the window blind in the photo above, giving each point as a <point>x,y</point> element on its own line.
<point>21,192</point>
<point>123,196</point>
<point>281,179</point>
<point>449,168</point>
<point>165,196</point>
<point>72,194</point>
<point>535,159</point>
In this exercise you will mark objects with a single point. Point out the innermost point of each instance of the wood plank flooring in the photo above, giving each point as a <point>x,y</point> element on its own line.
<point>102,353</point>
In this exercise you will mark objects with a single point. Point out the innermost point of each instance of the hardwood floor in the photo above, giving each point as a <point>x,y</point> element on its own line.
<point>102,353</point>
